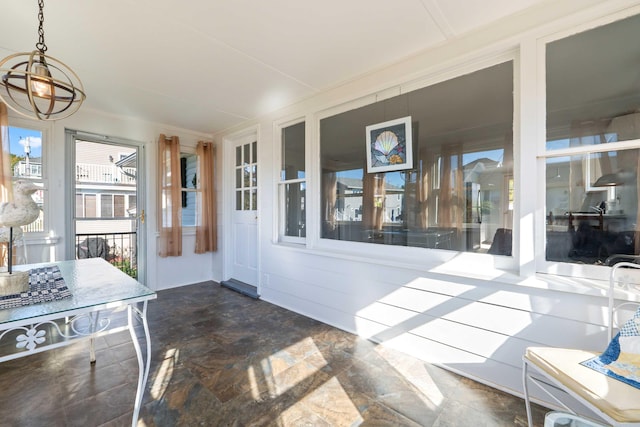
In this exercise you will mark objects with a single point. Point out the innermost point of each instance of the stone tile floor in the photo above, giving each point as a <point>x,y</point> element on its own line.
<point>223,359</point>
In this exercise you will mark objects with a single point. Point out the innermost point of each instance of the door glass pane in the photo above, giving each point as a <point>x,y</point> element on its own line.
<point>109,227</point>
<point>247,200</point>
<point>254,152</point>
<point>238,200</point>
<point>238,156</point>
<point>238,178</point>
<point>254,176</point>
<point>246,154</point>
<point>254,199</point>
<point>247,176</point>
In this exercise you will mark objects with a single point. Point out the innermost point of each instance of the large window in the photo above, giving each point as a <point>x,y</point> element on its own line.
<point>293,182</point>
<point>26,163</point>
<point>593,132</point>
<point>458,193</point>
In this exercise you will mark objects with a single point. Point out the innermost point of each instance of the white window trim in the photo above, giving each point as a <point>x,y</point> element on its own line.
<point>278,229</point>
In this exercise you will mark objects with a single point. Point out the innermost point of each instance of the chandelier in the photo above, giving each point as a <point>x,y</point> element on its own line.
<point>37,85</point>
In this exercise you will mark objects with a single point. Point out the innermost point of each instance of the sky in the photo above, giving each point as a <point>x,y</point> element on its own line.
<point>19,137</point>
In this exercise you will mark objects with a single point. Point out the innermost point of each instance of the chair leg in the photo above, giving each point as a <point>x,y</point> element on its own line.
<point>527,402</point>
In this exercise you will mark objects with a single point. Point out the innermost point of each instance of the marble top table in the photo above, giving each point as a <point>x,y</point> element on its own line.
<point>103,300</point>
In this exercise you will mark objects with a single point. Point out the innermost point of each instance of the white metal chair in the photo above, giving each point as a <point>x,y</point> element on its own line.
<point>559,372</point>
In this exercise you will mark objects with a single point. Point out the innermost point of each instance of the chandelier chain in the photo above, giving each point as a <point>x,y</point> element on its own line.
<point>41,46</point>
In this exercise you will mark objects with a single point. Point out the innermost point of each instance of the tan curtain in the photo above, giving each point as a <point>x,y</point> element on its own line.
<point>451,203</point>
<point>6,195</point>
<point>329,197</point>
<point>207,227</point>
<point>373,201</point>
<point>426,160</point>
<point>169,200</point>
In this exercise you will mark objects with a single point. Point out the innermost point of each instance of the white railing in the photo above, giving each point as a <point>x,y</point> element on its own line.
<point>85,172</point>
<point>23,168</point>
<point>105,174</point>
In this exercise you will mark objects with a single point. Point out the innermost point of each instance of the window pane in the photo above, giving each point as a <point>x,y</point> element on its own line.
<point>38,224</point>
<point>456,195</point>
<point>106,205</point>
<point>189,209</point>
<point>132,211</point>
<point>188,169</point>
<point>118,205</point>
<point>90,206</point>
<point>592,206</point>
<point>79,206</point>
<point>26,152</point>
<point>294,206</point>
<point>293,152</point>
<point>593,90</point>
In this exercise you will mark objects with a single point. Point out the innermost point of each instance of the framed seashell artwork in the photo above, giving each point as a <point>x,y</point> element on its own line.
<point>389,146</point>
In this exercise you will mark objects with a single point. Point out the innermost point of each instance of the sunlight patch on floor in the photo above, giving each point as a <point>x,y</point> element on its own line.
<point>329,401</point>
<point>286,368</point>
<point>164,373</point>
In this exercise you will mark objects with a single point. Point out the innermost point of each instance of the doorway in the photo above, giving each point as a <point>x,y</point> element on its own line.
<point>107,182</point>
<point>241,261</point>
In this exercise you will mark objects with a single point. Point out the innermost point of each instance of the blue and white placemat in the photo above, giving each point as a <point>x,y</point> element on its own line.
<point>45,284</point>
<point>621,359</point>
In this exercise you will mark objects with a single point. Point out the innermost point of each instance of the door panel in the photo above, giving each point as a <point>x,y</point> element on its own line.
<point>245,213</point>
<point>108,207</point>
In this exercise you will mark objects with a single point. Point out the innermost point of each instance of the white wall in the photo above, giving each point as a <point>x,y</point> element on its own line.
<point>162,273</point>
<point>471,313</point>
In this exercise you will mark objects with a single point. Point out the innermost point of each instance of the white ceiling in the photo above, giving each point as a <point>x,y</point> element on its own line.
<point>207,65</point>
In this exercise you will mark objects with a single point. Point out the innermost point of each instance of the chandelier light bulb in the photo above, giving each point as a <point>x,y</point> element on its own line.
<point>40,81</point>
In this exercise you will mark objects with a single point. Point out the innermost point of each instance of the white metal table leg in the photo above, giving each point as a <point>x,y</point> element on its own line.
<point>143,362</point>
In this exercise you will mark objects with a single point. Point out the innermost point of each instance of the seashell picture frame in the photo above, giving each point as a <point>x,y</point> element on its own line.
<point>389,145</point>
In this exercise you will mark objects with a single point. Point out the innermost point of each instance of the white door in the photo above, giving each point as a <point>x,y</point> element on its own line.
<point>107,179</point>
<point>244,217</point>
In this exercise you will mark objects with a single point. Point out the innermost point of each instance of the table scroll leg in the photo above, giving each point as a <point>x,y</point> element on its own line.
<point>143,363</point>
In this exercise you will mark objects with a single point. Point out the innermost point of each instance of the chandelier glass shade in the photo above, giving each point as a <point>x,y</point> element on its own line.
<point>40,86</point>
